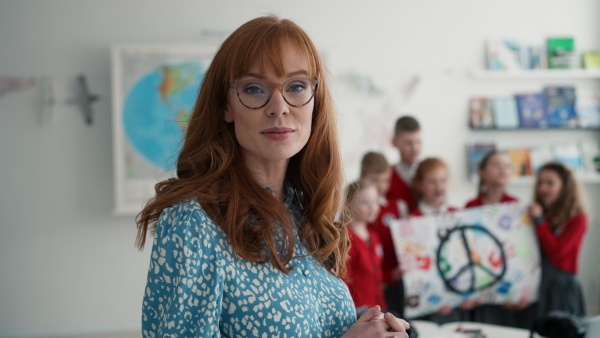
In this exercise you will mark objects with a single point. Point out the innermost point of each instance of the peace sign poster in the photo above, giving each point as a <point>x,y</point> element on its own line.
<point>489,254</point>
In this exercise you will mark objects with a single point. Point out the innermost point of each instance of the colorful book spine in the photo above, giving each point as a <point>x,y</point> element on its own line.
<point>561,53</point>
<point>560,107</point>
<point>503,55</point>
<point>480,113</point>
<point>532,110</point>
<point>506,112</point>
<point>521,165</point>
<point>569,153</point>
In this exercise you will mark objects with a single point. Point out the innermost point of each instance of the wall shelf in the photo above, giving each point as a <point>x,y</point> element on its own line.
<point>533,129</point>
<point>535,74</point>
<point>582,178</point>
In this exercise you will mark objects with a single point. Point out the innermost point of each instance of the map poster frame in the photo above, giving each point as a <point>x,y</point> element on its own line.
<point>135,175</point>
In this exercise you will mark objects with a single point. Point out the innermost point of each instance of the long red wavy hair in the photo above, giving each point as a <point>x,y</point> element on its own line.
<point>211,168</point>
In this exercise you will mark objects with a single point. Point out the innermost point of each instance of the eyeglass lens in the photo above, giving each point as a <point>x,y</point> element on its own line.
<point>256,93</point>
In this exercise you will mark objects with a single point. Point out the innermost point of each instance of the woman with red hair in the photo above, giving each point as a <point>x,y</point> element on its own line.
<point>245,242</point>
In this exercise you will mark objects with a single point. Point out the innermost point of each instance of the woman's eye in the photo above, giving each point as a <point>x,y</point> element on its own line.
<point>296,87</point>
<point>253,89</point>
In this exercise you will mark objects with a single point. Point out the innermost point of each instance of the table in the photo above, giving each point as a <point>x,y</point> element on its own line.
<point>432,330</point>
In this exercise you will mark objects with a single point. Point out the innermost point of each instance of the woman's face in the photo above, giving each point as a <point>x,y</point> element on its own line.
<point>364,205</point>
<point>433,187</point>
<point>497,171</point>
<point>549,187</point>
<point>276,132</point>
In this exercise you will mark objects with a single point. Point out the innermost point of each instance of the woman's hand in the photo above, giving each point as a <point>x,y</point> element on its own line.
<point>376,324</point>
<point>535,210</point>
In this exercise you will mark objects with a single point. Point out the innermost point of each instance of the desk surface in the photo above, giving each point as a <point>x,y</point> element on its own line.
<point>431,330</point>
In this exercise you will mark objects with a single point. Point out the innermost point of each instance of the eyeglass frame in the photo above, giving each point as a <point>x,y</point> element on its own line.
<point>234,85</point>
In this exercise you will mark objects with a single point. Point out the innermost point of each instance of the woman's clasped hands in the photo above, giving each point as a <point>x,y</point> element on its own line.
<point>376,324</point>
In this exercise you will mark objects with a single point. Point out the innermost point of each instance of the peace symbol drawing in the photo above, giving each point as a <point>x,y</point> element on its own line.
<point>488,254</point>
<point>491,270</point>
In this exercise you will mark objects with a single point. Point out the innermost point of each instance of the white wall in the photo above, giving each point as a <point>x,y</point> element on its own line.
<point>68,265</point>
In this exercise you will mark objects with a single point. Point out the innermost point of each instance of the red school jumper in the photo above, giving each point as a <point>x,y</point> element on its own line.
<point>401,190</point>
<point>364,271</point>
<point>562,246</point>
<point>389,211</point>
<point>479,200</point>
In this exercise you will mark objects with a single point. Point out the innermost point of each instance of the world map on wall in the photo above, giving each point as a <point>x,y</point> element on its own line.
<point>157,109</point>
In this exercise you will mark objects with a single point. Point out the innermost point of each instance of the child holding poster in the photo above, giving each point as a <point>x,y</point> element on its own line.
<point>561,223</point>
<point>365,279</point>
<point>430,186</point>
<point>494,174</point>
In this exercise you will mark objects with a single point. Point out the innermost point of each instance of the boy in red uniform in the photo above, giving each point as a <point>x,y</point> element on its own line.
<point>407,138</point>
<point>375,169</point>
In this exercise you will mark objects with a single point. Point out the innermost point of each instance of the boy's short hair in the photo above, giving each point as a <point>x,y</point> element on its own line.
<point>406,124</point>
<point>373,163</point>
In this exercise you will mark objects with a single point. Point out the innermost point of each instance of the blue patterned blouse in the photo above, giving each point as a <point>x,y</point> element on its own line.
<point>198,287</point>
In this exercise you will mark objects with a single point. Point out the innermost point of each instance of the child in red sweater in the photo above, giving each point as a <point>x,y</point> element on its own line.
<point>430,184</point>
<point>375,169</point>
<point>495,170</point>
<point>561,223</point>
<point>365,279</point>
<point>494,173</point>
<point>407,138</point>
<point>430,187</point>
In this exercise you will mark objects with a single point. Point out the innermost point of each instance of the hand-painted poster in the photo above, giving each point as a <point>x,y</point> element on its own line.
<point>154,92</point>
<point>490,254</point>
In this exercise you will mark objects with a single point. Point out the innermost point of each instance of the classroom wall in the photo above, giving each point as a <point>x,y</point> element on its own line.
<point>67,265</point>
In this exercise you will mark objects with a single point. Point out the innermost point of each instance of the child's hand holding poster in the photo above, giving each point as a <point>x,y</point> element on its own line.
<point>489,254</point>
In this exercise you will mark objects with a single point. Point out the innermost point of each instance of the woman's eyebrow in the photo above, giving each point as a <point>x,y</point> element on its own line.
<point>259,76</point>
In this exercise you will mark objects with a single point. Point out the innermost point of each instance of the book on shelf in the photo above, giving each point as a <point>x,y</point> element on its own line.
<point>590,153</point>
<point>506,113</point>
<point>521,166</point>
<point>480,113</point>
<point>560,106</point>
<point>532,110</point>
<point>561,53</point>
<point>569,153</point>
<point>591,59</point>
<point>536,58</point>
<point>475,153</point>
<point>540,155</point>
<point>503,54</point>
<point>588,109</point>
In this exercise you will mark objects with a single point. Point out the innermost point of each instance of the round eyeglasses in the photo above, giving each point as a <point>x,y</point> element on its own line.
<point>256,93</point>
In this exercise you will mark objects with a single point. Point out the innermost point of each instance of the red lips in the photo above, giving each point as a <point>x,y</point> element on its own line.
<point>277,133</point>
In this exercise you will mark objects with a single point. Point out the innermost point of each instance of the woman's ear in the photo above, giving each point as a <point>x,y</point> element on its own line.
<point>227,114</point>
